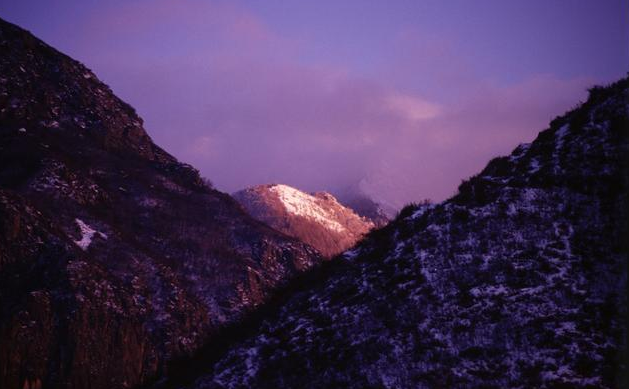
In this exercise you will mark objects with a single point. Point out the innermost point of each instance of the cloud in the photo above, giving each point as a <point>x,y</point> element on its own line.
<point>220,89</point>
<point>487,121</point>
<point>413,108</point>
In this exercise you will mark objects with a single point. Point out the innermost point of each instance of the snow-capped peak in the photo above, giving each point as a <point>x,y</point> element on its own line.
<point>306,205</point>
<point>317,219</point>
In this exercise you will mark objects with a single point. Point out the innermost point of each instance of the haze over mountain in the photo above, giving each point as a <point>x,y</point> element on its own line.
<point>114,257</point>
<point>518,281</point>
<point>401,98</point>
<point>317,219</point>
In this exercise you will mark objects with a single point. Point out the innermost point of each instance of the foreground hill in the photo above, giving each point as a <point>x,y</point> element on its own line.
<point>317,219</point>
<point>518,281</point>
<point>114,257</point>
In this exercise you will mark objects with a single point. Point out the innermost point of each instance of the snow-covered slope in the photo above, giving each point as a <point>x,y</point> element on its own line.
<point>519,281</point>
<point>317,219</point>
<point>308,206</point>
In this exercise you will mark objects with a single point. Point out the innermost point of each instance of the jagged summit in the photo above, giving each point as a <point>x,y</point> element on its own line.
<point>518,281</point>
<point>115,258</point>
<point>317,219</point>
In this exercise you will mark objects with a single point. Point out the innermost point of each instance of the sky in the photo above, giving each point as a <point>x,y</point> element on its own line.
<point>398,99</point>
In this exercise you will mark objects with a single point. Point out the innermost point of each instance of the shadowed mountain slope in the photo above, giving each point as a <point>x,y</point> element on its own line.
<point>114,257</point>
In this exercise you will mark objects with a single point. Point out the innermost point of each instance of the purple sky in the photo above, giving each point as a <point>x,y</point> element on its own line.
<point>400,98</point>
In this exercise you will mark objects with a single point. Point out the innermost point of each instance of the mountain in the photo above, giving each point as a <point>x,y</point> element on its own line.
<point>353,196</point>
<point>317,219</point>
<point>366,207</point>
<point>518,281</point>
<point>115,258</point>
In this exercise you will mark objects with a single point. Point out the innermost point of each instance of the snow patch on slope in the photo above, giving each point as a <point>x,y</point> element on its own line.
<point>305,205</point>
<point>87,233</point>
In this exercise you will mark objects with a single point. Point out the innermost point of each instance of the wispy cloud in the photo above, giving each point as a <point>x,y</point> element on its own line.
<point>413,108</point>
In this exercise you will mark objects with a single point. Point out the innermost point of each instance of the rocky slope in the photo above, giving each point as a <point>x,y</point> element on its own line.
<point>114,257</point>
<point>518,281</point>
<point>317,219</point>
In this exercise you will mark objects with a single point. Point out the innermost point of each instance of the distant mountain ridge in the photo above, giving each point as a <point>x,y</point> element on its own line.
<point>115,258</point>
<point>364,206</point>
<point>518,281</point>
<point>317,219</point>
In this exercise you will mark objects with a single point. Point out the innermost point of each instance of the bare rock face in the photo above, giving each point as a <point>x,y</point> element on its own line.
<point>518,281</point>
<point>317,219</point>
<point>114,257</point>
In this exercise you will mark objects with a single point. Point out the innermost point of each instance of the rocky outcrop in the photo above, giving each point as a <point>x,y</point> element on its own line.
<point>317,219</point>
<point>114,257</point>
<point>518,281</point>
